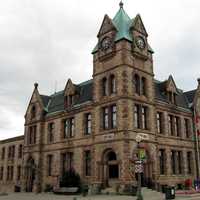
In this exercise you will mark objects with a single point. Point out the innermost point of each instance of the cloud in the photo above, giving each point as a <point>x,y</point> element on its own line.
<point>49,41</point>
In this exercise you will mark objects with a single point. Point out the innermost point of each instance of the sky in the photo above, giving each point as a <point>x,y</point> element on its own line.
<point>49,41</point>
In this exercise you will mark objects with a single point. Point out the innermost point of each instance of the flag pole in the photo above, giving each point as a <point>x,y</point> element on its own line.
<point>196,143</point>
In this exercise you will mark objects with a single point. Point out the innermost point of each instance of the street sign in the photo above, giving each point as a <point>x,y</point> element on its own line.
<point>142,136</point>
<point>139,168</point>
<point>142,154</point>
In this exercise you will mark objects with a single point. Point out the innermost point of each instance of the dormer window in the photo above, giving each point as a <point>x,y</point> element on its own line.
<point>69,101</point>
<point>70,94</point>
<point>172,97</point>
<point>33,112</point>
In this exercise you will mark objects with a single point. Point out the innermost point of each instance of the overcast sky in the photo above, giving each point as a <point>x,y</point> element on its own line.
<point>48,41</point>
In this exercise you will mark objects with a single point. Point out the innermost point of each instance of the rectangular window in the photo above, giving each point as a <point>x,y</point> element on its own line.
<point>140,116</point>
<point>177,126</point>
<point>137,116</point>
<point>189,162</point>
<point>70,160</point>
<point>19,172</point>
<point>49,165</point>
<point>1,173</point>
<point>179,162</point>
<point>105,118</point>
<point>63,162</point>
<point>69,128</point>
<point>31,138</point>
<point>88,124</point>
<point>173,162</point>
<point>113,116</point>
<point>20,151</point>
<point>50,132</point>
<point>3,153</point>
<point>159,122</point>
<point>11,152</point>
<point>170,124</point>
<point>8,173</point>
<point>144,117</point>
<point>162,161</point>
<point>104,87</point>
<point>11,172</point>
<point>67,161</point>
<point>110,117</point>
<point>87,163</point>
<point>186,128</point>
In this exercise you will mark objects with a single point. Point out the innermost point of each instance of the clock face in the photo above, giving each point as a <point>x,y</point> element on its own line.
<point>106,43</point>
<point>140,43</point>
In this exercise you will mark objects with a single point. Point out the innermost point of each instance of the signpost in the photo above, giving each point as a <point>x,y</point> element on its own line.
<point>139,168</point>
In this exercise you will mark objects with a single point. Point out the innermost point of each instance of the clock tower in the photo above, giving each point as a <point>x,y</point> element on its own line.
<point>122,49</point>
<point>123,80</point>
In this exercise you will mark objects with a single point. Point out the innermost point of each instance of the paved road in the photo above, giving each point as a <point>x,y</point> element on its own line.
<point>31,196</point>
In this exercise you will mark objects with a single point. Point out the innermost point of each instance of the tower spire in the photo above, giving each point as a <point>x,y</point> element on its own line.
<point>121,4</point>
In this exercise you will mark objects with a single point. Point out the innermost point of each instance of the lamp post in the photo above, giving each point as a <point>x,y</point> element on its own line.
<point>139,138</point>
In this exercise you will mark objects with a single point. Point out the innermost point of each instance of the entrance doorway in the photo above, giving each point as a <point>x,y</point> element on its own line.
<point>110,173</point>
<point>30,174</point>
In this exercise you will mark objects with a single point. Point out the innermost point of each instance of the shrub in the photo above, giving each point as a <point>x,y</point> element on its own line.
<point>70,179</point>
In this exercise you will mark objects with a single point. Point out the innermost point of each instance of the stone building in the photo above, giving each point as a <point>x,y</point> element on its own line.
<point>92,126</point>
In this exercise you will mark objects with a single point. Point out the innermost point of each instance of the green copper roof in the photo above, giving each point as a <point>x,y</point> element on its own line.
<point>123,23</point>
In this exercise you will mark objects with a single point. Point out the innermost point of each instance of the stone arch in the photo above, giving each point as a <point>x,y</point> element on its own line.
<point>110,167</point>
<point>30,174</point>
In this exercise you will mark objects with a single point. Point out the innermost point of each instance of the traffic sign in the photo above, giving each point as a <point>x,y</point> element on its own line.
<point>139,168</point>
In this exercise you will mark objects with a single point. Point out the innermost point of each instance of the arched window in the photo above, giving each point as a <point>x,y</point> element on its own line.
<point>113,167</point>
<point>112,156</point>
<point>143,86</point>
<point>104,87</point>
<point>33,112</point>
<point>112,84</point>
<point>137,84</point>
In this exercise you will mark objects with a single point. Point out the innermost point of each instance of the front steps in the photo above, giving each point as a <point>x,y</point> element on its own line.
<point>152,194</point>
<point>146,193</point>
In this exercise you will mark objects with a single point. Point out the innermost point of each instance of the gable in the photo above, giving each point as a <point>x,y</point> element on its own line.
<point>170,85</point>
<point>139,26</point>
<point>35,100</point>
<point>70,88</point>
<point>106,26</point>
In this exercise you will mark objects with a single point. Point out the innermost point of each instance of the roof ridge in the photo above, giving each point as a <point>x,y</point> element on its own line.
<point>190,91</point>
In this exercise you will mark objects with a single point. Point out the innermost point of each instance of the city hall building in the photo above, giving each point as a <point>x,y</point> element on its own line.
<point>92,126</point>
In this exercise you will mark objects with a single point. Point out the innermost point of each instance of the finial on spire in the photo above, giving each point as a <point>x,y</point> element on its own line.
<point>121,4</point>
<point>36,85</point>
